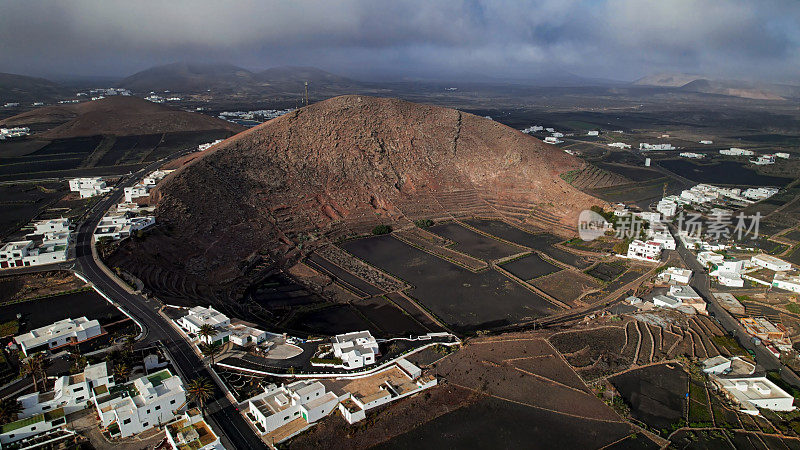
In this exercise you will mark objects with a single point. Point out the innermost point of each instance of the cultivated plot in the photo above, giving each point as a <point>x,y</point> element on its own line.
<point>41,312</point>
<point>461,298</point>
<point>530,267</point>
<point>473,243</point>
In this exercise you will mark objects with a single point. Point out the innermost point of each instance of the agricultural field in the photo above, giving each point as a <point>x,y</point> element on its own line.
<point>567,285</point>
<point>474,244</point>
<point>16,288</point>
<point>607,271</point>
<point>465,300</point>
<point>655,394</point>
<point>44,311</point>
<point>530,267</point>
<point>22,202</point>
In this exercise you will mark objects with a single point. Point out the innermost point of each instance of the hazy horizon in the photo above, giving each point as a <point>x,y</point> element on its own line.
<point>620,40</point>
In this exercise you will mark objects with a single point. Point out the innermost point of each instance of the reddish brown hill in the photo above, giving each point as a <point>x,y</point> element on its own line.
<point>350,162</point>
<point>118,115</point>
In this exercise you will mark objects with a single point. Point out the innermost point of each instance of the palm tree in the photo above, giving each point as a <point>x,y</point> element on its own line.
<point>207,331</point>
<point>201,390</point>
<point>122,371</point>
<point>9,410</point>
<point>42,363</point>
<point>211,350</point>
<point>30,367</point>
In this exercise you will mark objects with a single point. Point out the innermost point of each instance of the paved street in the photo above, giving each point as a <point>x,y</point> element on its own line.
<point>222,414</point>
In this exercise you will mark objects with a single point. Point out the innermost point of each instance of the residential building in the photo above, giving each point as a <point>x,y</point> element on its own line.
<point>206,146</point>
<point>556,134</point>
<point>31,427</point>
<point>770,262</point>
<point>677,275</point>
<point>706,142</point>
<point>245,335</point>
<point>593,133</point>
<point>752,393</point>
<point>730,279</point>
<point>710,259</point>
<point>692,155</point>
<point>59,334</point>
<point>663,237</point>
<point>199,316</point>
<point>89,186</point>
<point>644,251</point>
<point>146,402</point>
<point>191,432</point>
<point>154,177</point>
<point>786,282</point>
<point>51,226</point>
<point>552,140</point>
<point>303,401</point>
<point>763,160</point>
<point>645,146</point>
<point>667,208</point>
<point>136,191</point>
<point>760,193</point>
<point>69,392</point>
<point>763,329</point>
<point>119,226</point>
<point>621,145</point>
<point>356,349</point>
<point>783,155</point>
<point>733,151</point>
<point>666,301</point>
<point>53,248</point>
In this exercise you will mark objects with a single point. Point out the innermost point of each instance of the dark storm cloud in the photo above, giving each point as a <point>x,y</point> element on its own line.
<point>621,39</point>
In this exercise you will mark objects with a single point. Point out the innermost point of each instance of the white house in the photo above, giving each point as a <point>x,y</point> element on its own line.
<point>244,335</point>
<point>786,282</point>
<point>119,226</point>
<point>759,193</point>
<point>190,431</point>
<point>733,151</point>
<point>51,226</point>
<point>621,145</point>
<point>752,393</point>
<point>61,333</point>
<point>667,208</point>
<point>136,191</point>
<point>666,301</point>
<point>199,316</point>
<point>356,349</point>
<point>71,393</point>
<point>730,279</point>
<point>54,248</point>
<point>552,140</point>
<point>154,177</point>
<point>593,133</point>
<point>706,142</point>
<point>89,187</point>
<point>677,275</point>
<point>771,262</point>
<point>305,401</point>
<point>783,155</point>
<point>644,251</point>
<point>146,402</point>
<point>708,259</point>
<point>31,427</point>
<point>662,237</point>
<point>692,155</point>
<point>645,146</point>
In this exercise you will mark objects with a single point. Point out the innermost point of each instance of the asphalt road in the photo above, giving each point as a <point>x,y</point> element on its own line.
<point>221,412</point>
<point>702,284</point>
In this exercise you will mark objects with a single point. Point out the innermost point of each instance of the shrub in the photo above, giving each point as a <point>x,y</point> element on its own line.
<point>423,223</point>
<point>381,229</point>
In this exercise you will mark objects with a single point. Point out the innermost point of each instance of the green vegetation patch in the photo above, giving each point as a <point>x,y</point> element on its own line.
<point>793,307</point>
<point>157,378</point>
<point>10,328</point>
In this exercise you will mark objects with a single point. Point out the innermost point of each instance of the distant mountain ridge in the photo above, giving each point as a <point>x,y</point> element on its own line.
<point>22,88</point>
<point>733,88</point>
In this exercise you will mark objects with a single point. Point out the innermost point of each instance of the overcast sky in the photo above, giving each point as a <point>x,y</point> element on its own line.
<point>617,39</point>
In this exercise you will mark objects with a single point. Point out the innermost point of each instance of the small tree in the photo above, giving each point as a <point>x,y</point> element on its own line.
<point>201,390</point>
<point>207,331</point>
<point>122,371</point>
<point>381,229</point>
<point>10,410</point>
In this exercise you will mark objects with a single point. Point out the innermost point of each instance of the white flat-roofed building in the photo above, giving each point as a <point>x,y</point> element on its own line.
<point>663,237</point>
<point>29,432</point>
<point>199,316</point>
<point>770,262</point>
<point>763,160</point>
<point>51,226</point>
<point>759,193</point>
<point>120,226</point>
<point>53,249</point>
<point>677,275</point>
<point>155,176</point>
<point>733,151</point>
<point>730,279</point>
<point>786,282</point>
<point>305,401</point>
<point>356,349</point>
<point>136,191</point>
<point>89,186</point>
<point>783,155</point>
<point>692,155</point>
<point>69,392</point>
<point>552,140</point>
<point>752,393</point>
<point>644,251</point>
<point>645,146</point>
<point>593,133</point>
<point>667,208</point>
<point>621,145</point>
<point>146,402</point>
<point>61,333</point>
<point>191,432</point>
<point>706,142</point>
<point>666,301</point>
<point>244,335</point>
<point>708,259</point>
